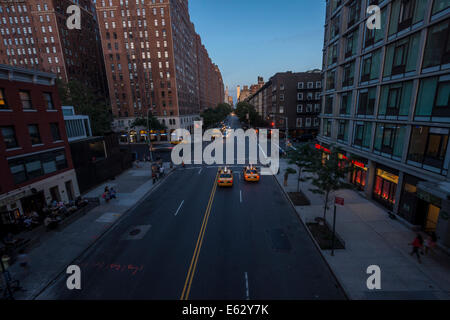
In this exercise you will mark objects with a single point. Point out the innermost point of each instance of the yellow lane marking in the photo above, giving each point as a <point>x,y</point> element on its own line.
<point>193,265</point>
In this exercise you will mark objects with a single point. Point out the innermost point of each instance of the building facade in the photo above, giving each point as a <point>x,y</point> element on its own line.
<point>155,63</point>
<point>34,35</point>
<point>291,101</point>
<point>35,160</point>
<point>386,103</point>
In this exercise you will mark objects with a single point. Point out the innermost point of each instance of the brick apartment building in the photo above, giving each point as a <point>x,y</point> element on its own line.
<point>155,63</point>
<point>386,102</point>
<point>295,96</point>
<point>35,161</point>
<point>34,35</point>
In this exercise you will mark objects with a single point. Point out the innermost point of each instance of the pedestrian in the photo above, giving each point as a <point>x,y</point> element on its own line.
<point>430,242</point>
<point>161,171</point>
<point>112,191</point>
<point>417,245</point>
<point>154,177</point>
<point>22,259</point>
<point>106,195</point>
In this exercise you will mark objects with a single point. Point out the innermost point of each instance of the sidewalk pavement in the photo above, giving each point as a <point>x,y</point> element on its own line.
<point>55,250</point>
<point>372,238</point>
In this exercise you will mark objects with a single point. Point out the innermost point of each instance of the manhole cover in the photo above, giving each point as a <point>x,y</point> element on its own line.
<point>135,232</point>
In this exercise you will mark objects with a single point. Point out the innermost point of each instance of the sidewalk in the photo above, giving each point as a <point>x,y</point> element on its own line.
<point>57,249</point>
<point>372,238</point>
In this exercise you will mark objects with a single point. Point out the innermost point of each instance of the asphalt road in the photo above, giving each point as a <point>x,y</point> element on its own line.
<point>192,240</point>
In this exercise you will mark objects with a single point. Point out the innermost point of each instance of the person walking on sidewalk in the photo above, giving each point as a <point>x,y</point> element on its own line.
<point>112,192</point>
<point>430,242</point>
<point>161,171</point>
<point>417,245</point>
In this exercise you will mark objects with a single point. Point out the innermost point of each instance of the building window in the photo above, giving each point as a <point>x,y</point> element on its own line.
<point>351,42</point>
<point>343,130</point>
<point>440,5</point>
<point>346,103</point>
<point>362,134</point>
<point>331,79</point>
<point>328,105</point>
<point>327,127</point>
<point>366,102</point>
<point>402,56</point>
<point>54,127</point>
<point>299,108</point>
<point>370,66</point>
<point>299,122</point>
<point>395,100</point>
<point>349,73</point>
<point>406,13</point>
<point>437,50</point>
<point>300,96</point>
<point>300,85</point>
<point>49,101</point>
<point>25,98</point>
<point>434,99</point>
<point>389,140</point>
<point>3,103</point>
<point>35,137</point>
<point>9,137</point>
<point>428,148</point>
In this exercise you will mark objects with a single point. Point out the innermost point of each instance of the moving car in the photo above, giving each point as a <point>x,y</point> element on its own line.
<point>225,177</point>
<point>251,174</point>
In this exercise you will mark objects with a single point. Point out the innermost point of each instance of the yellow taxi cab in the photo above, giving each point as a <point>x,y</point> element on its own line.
<point>251,173</point>
<point>225,177</point>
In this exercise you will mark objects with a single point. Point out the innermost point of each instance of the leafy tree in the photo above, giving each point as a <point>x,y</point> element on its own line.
<point>86,102</point>
<point>247,113</point>
<point>303,158</point>
<point>212,116</point>
<point>330,174</point>
<point>153,123</point>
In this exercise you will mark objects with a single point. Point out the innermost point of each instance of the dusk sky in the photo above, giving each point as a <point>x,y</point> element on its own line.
<point>248,38</point>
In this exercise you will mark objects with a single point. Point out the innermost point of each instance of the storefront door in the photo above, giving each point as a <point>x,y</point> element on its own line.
<point>432,218</point>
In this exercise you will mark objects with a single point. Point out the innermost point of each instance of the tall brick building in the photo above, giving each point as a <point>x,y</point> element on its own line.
<point>155,62</point>
<point>34,35</point>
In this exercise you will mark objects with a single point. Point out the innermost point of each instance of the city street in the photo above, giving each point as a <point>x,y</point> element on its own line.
<point>193,240</point>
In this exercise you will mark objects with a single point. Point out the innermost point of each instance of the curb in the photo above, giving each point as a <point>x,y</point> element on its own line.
<point>314,240</point>
<point>103,234</point>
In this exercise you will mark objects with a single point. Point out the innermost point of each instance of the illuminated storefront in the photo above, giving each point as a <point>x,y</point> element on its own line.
<point>359,174</point>
<point>385,186</point>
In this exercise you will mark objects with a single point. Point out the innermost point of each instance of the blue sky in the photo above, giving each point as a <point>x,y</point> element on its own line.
<point>247,38</point>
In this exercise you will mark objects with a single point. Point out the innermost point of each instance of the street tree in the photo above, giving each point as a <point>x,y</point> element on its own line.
<point>212,116</point>
<point>329,173</point>
<point>247,113</point>
<point>153,123</point>
<point>303,158</point>
<point>86,102</point>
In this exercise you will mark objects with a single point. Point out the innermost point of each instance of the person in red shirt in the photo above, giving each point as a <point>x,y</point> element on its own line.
<point>417,244</point>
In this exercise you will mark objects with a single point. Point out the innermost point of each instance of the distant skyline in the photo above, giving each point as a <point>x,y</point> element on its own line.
<point>251,38</point>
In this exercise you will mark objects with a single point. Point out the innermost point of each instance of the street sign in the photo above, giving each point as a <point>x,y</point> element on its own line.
<point>339,201</point>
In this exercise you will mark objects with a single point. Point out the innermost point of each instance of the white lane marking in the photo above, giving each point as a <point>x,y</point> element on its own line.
<point>200,170</point>
<point>247,291</point>
<point>240,195</point>
<point>176,213</point>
